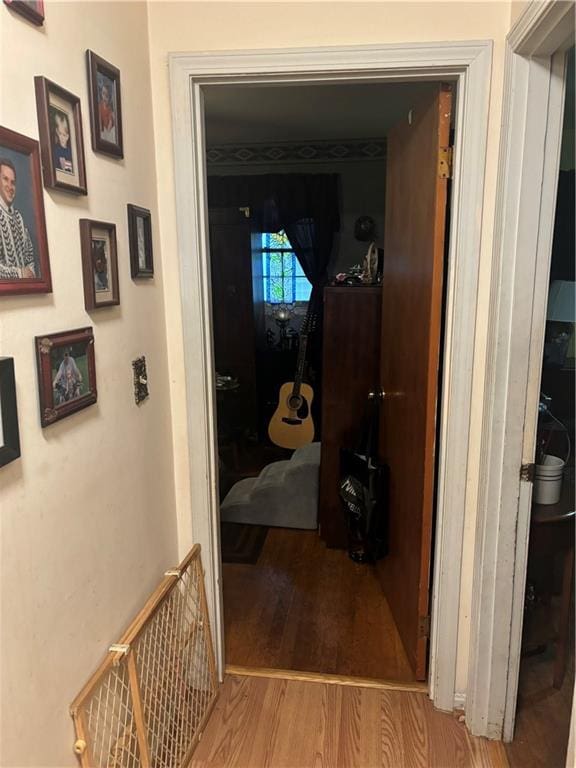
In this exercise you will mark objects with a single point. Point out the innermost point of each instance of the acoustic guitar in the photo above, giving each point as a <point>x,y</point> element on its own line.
<point>291,425</point>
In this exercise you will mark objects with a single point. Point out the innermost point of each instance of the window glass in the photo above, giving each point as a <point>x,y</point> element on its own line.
<point>284,279</point>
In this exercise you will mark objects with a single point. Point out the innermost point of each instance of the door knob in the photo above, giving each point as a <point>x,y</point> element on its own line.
<point>380,394</point>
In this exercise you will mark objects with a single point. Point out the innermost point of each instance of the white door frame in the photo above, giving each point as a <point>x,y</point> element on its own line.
<point>525,208</point>
<point>468,64</point>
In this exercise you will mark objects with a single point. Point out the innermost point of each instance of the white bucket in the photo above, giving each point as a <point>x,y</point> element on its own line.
<point>548,480</point>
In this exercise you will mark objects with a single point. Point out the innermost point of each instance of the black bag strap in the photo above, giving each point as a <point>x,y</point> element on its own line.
<point>368,443</point>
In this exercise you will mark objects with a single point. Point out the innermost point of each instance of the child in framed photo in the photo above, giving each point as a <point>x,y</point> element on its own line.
<point>107,108</point>
<point>100,264</point>
<point>68,380</point>
<point>66,373</point>
<point>105,105</point>
<point>61,141</point>
<point>61,148</point>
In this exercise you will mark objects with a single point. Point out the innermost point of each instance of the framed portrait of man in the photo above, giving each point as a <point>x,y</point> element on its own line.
<point>24,262</point>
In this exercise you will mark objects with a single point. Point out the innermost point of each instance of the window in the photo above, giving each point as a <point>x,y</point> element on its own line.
<point>284,280</point>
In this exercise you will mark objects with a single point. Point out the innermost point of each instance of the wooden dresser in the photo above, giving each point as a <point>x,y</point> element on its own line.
<point>350,370</point>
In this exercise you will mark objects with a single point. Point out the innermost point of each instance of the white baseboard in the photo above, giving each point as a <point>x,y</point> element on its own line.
<point>459,701</point>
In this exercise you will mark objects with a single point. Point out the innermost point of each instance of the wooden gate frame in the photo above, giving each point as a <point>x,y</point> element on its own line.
<point>139,676</point>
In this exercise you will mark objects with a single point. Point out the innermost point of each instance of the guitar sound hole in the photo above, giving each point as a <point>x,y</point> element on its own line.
<point>294,403</point>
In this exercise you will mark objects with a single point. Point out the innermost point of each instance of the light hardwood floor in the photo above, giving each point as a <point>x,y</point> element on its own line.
<point>309,608</point>
<point>260,722</point>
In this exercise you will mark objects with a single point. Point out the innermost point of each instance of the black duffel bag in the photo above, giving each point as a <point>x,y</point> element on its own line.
<point>364,493</point>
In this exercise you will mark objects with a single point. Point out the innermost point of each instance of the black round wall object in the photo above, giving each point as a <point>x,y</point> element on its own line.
<point>364,228</point>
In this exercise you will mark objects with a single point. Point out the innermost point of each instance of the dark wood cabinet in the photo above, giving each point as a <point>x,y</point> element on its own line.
<point>350,370</point>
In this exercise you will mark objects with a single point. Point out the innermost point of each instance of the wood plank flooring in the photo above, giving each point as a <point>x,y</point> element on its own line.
<point>309,608</point>
<point>259,722</point>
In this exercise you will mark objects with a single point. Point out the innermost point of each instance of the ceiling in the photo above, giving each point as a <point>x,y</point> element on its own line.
<point>264,113</point>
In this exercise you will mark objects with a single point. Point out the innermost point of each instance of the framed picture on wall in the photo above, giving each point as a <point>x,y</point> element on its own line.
<point>140,236</point>
<point>9,433</point>
<point>24,263</point>
<point>105,106</point>
<point>33,10</point>
<point>66,373</point>
<point>99,264</point>
<point>61,141</point>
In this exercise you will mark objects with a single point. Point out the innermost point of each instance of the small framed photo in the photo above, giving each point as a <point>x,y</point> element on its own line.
<point>33,10</point>
<point>140,236</point>
<point>99,264</point>
<point>24,263</point>
<point>9,434</point>
<point>66,373</point>
<point>105,106</point>
<point>61,141</point>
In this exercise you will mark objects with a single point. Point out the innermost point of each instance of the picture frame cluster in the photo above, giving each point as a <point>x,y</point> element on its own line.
<point>66,360</point>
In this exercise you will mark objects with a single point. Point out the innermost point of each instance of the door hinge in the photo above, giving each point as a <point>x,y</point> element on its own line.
<point>424,626</point>
<point>527,472</point>
<point>445,163</point>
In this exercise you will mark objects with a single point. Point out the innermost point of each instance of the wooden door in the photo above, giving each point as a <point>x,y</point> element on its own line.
<point>350,369</point>
<point>236,310</point>
<point>416,196</point>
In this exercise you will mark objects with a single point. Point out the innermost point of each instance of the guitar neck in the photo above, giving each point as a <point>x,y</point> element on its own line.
<point>300,365</point>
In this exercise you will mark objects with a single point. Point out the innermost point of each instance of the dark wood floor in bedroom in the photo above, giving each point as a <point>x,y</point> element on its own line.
<point>308,608</point>
<point>543,715</point>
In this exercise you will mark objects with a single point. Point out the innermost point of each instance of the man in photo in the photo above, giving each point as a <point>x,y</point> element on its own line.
<point>61,149</point>
<point>16,248</point>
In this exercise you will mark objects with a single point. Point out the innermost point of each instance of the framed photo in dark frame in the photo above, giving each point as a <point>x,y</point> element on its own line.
<point>105,106</point>
<point>140,237</point>
<point>9,432</point>
<point>33,10</point>
<point>61,140</point>
<point>99,264</point>
<point>24,262</point>
<point>66,373</point>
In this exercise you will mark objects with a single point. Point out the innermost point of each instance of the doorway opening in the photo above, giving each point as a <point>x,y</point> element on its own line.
<point>315,201</point>
<point>468,64</point>
<point>546,680</point>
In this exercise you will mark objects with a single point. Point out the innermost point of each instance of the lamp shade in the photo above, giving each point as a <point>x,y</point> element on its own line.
<point>561,301</point>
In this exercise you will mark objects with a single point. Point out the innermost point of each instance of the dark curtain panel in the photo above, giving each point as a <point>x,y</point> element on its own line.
<point>306,207</point>
<point>276,200</point>
<point>312,244</point>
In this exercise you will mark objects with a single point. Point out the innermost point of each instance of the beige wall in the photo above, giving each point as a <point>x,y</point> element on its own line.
<point>517,8</point>
<point>186,27</point>
<point>87,514</point>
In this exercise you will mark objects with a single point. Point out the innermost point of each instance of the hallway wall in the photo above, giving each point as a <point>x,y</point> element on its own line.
<point>205,26</point>
<point>87,517</point>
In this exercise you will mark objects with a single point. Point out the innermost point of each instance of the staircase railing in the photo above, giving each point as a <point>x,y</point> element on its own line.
<point>148,701</point>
